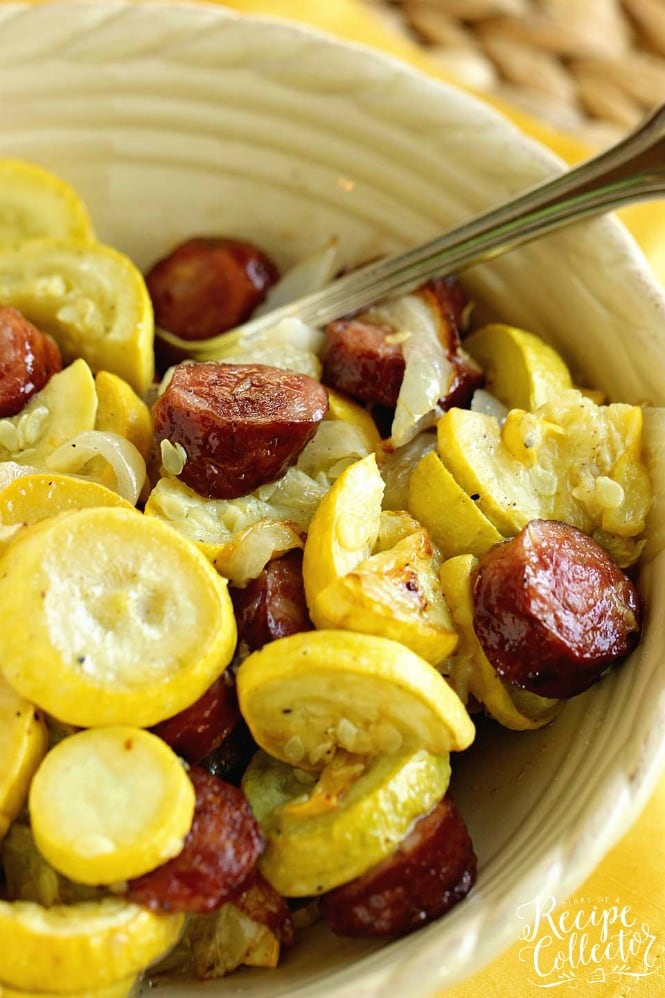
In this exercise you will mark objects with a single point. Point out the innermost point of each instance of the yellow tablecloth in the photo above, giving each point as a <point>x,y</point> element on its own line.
<point>628,888</point>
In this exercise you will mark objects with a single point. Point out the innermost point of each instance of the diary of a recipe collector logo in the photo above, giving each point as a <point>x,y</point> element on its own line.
<point>586,941</point>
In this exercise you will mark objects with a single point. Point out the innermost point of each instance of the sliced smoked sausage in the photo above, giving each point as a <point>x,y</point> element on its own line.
<point>218,858</point>
<point>273,605</point>
<point>364,356</point>
<point>449,306</point>
<point>362,361</point>
<point>431,870</point>
<point>28,358</point>
<point>201,728</point>
<point>552,610</point>
<point>240,425</point>
<point>453,300</point>
<point>208,285</point>
<point>231,758</point>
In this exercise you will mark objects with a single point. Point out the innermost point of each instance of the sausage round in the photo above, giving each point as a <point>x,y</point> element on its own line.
<point>240,425</point>
<point>552,610</point>
<point>208,285</point>
<point>453,300</point>
<point>201,728</point>
<point>231,758</point>
<point>467,377</point>
<point>217,860</point>
<point>363,362</point>
<point>28,358</point>
<point>431,870</point>
<point>363,359</point>
<point>273,605</point>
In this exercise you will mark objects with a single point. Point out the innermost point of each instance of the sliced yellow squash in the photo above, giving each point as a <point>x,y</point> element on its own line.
<point>305,695</point>
<point>469,445</point>
<point>32,498</point>
<point>396,594</point>
<point>322,831</point>
<point>89,945</point>
<point>453,519</point>
<point>129,622</point>
<point>394,526</point>
<point>109,804</point>
<point>23,741</point>
<point>522,371</point>
<point>90,298</point>
<point>7,534</point>
<point>341,407</point>
<point>65,407</point>
<point>510,706</point>
<point>570,460</point>
<point>121,411</point>
<point>373,571</point>
<point>344,527</point>
<point>36,204</point>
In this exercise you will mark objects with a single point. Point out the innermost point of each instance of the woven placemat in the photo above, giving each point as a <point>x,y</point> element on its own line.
<point>591,67</point>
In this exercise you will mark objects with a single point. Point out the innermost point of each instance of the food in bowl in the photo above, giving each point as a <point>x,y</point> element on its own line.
<point>358,660</point>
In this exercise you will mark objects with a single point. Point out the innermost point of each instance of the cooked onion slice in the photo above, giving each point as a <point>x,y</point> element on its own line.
<point>123,458</point>
<point>309,274</point>
<point>428,372</point>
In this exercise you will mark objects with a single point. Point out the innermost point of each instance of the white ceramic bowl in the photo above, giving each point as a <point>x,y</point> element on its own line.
<point>172,120</point>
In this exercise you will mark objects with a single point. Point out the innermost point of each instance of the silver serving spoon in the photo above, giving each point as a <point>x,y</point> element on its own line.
<point>632,170</point>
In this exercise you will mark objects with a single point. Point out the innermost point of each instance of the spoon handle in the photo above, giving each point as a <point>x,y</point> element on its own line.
<point>632,170</point>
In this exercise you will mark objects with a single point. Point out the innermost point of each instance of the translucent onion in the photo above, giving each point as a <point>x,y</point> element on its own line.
<point>309,274</point>
<point>295,496</point>
<point>484,401</point>
<point>284,356</point>
<point>396,468</point>
<point>119,454</point>
<point>428,372</point>
<point>249,551</point>
<point>292,499</point>
<point>289,335</point>
<point>10,470</point>
<point>335,445</point>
